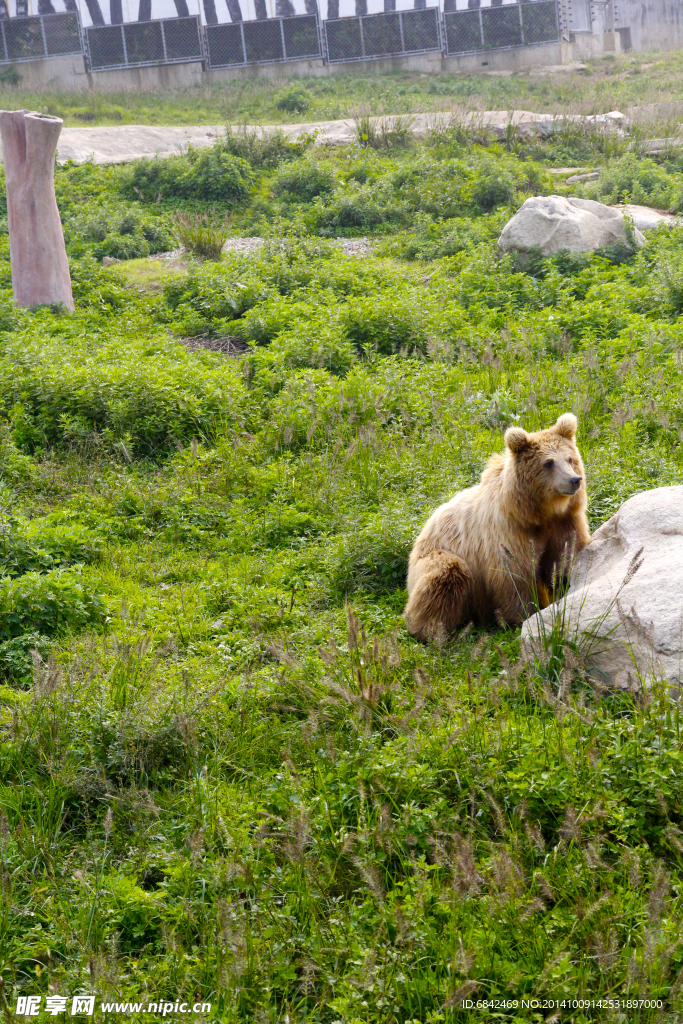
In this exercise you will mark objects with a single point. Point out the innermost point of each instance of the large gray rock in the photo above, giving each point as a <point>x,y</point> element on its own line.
<point>552,223</point>
<point>629,624</point>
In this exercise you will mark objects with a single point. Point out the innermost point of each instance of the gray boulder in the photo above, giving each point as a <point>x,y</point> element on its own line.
<point>625,603</point>
<point>552,223</point>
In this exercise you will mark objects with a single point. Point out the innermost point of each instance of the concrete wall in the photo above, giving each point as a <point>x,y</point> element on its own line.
<point>653,24</point>
<point>68,73</point>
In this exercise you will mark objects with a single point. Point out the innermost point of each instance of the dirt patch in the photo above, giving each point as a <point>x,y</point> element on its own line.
<point>229,345</point>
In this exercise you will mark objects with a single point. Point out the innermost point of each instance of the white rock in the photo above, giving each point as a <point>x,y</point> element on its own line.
<point>554,222</point>
<point>646,219</point>
<point>631,632</point>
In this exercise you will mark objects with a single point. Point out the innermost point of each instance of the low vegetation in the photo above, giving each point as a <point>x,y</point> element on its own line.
<point>601,84</point>
<point>228,775</point>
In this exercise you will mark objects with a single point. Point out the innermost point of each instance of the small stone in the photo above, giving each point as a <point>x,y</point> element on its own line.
<point>107,261</point>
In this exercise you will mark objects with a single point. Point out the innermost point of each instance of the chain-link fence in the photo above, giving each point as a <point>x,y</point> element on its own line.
<point>381,35</point>
<point>166,41</point>
<point>365,37</point>
<point>501,27</point>
<point>263,42</point>
<point>44,35</point>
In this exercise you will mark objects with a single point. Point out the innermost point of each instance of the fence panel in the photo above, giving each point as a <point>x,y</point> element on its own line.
<point>263,42</point>
<point>502,27</point>
<point>42,35</point>
<point>382,35</point>
<point>499,28</point>
<point>302,37</point>
<point>135,44</point>
<point>540,21</point>
<point>421,30</point>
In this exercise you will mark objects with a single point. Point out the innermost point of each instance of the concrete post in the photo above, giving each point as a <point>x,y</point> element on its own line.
<point>40,269</point>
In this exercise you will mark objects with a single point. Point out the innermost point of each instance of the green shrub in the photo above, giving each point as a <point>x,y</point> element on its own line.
<point>208,298</point>
<point>265,321</point>
<point>16,658</point>
<point>317,344</point>
<point>436,239</point>
<point>211,175</point>
<point>635,179</point>
<point>124,232</point>
<point>388,323</point>
<point>295,99</point>
<point>493,186</point>
<point>303,182</point>
<point>48,604</point>
<point>118,393</point>
<point>37,547</point>
<point>356,207</point>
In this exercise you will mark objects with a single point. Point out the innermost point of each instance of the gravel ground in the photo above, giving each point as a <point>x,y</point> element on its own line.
<point>349,246</point>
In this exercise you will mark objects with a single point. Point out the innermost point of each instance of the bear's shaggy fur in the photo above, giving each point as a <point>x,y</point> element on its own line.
<point>498,550</point>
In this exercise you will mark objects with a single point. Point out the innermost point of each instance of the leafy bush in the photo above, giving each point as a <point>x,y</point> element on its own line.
<point>265,321</point>
<point>449,188</point>
<point>356,207</point>
<point>295,99</point>
<point>38,547</point>
<point>115,394</point>
<point>47,604</point>
<point>303,182</point>
<point>433,240</point>
<point>206,300</point>
<point>392,322</point>
<point>316,344</point>
<point>16,658</point>
<point>124,232</point>
<point>211,175</point>
<point>634,179</point>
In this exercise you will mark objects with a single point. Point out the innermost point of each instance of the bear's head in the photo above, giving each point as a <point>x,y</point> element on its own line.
<point>547,466</point>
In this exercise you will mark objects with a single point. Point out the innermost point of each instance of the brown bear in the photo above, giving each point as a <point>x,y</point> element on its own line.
<point>496,551</point>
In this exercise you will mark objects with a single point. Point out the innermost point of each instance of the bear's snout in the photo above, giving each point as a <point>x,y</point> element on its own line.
<point>570,485</point>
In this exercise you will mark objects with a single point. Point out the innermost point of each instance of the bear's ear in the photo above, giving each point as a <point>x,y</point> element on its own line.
<point>566,425</point>
<point>516,439</point>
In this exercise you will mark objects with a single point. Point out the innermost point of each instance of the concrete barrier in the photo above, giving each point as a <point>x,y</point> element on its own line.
<point>69,73</point>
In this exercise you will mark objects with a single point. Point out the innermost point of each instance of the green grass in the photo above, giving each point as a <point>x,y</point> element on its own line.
<point>228,774</point>
<point>606,84</point>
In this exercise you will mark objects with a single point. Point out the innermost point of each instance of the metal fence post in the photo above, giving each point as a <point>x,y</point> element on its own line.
<point>4,40</point>
<point>42,29</point>
<point>244,45</point>
<point>163,41</point>
<point>400,25</point>
<point>125,48</point>
<point>481,30</point>
<point>362,37</point>
<point>282,37</point>
<point>521,24</point>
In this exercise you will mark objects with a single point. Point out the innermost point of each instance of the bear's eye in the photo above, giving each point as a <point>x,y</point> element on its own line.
<point>549,463</point>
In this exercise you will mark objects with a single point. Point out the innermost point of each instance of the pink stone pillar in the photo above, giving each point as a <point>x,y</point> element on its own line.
<point>40,269</point>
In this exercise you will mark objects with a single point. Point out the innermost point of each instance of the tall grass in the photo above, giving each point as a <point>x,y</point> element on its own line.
<point>202,234</point>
